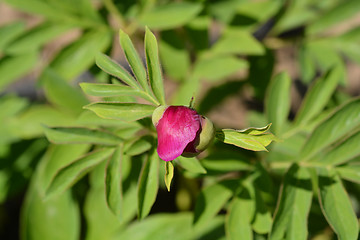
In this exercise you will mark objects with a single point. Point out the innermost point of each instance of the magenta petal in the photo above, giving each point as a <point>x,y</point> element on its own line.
<point>177,127</point>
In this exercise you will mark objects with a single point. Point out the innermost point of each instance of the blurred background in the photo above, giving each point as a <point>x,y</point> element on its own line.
<point>222,51</point>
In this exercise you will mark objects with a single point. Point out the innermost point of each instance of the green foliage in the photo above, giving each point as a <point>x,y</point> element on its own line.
<point>76,133</point>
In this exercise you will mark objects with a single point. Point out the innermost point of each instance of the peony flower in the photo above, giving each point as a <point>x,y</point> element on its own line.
<point>181,131</point>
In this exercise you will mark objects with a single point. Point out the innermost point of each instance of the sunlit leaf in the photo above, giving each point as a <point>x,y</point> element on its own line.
<point>294,206</point>
<point>153,66</point>
<point>121,111</point>
<point>336,205</point>
<point>169,174</point>
<point>61,135</point>
<point>170,15</point>
<point>191,164</point>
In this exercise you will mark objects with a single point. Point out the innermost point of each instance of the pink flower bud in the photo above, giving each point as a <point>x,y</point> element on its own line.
<point>181,131</point>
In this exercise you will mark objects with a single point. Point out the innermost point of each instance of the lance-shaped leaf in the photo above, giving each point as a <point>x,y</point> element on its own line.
<point>169,174</point>
<point>170,15</point>
<point>212,199</point>
<point>318,96</point>
<point>293,208</point>
<point>191,164</point>
<point>114,69</point>
<point>68,175</point>
<point>255,139</point>
<point>148,184</point>
<point>113,185</point>
<point>153,66</point>
<point>341,123</point>
<point>138,146</point>
<point>134,60</point>
<point>342,153</point>
<point>277,103</point>
<point>9,32</point>
<point>239,216</point>
<point>121,111</point>
<point>336,205</point>
<point>350,172</point>
<point>113,90</point>
<point>74,135</point>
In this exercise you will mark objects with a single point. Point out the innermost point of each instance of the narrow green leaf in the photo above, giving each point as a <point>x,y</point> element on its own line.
<point>350,172</point>
<point>62,94</point>
<point>290,220</point>
<point>191,164</point>
<point>113,90</point>
<point>134,60</point>
<point>68,175</point>
<point>9,32</point>
<point>262,221</point>
<point>237,41</point>
<point>255,130</point>
<point>111,67</point>
<point>139,146</point>
<point>307,64</point>
<point>72,135</point>
<point>318,96</point>
<point>208,68</point>
<point>12,68</point>
<point>340,12</point>
<point>212,199</point>
<point>121,111</point>
<point>153,66</point>
<point>245,139</point>
<point>277,101</point>
<point>336,205</point>
<point>36,37</point>
<point>80,55</point>
<point>148,184</point>
<point>341,123</point>
<point>226,161</point>
<point>113,185</point>
<point>170,15</point>
<point>239,216</point>
<point>169,174</point>
<point>187,90</point>
<point>342,153</point>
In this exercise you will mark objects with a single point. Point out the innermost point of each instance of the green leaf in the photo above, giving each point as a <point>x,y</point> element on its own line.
<point>350,172</point>
<point>226,161</point>
<point>239,216</point>
<point>336,205</point>
<point>70,174</point>
<point>277,101</point>
<point>290,220</point>
<point>12,68</point>
<point>251,139</point>
<point>191,164</point>
<point>341,123</point>
<point>208,68</point>
<point>111,67</point>
<point>307,64</point>
<point>262,221</point>
<point>79,55</point>
<point>80,135</point>
<point>148,184</point>
<point>236,41</point>
<point>318,96</point>
<point>113,184</point>
<point>170,15</point>
<point>175,58</point>
<point>169,174</point>
<point>153,66</point>
<point>121,111</point>
<point>61,93</point>
<point>139,146</point>
<point>134,60</point>
<point>113,90</point>
<point>9,32</point>
<point>342,153</point>
<point>212,199</point>
<point>340,12</point>
<point>36,37</point>
<point>186,91</point>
